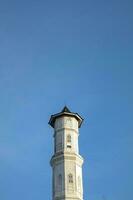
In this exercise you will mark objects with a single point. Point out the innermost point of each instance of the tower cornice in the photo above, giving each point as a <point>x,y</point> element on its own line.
<point>60,157</point>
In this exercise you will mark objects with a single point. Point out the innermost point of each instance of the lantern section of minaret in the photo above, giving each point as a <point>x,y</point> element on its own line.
<point>66,162</point>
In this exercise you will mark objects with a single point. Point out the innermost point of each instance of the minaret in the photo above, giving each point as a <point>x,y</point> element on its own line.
<point>66,161</point>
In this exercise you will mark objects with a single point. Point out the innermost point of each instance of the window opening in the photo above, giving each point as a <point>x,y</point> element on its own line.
<point>60,179</point>
<point>69,138</point>
<point>79,184</point>
<point>70,178</point>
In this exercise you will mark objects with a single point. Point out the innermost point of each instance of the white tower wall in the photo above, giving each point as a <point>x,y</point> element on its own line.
<point>66,161</point>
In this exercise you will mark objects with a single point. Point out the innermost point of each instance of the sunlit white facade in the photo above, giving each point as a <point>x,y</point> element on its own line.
<point>66,162</point>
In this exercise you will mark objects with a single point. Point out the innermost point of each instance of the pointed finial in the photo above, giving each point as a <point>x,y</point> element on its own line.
<point>65,109</point>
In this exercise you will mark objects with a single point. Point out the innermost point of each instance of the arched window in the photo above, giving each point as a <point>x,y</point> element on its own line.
<point>59,183</point>
<point>60,179</point>
<point>58,142</point>
<point>79,184</point>
<point>69,138</point>
<point>70,178</point>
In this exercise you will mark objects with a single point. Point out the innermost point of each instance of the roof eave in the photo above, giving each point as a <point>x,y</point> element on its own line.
<point>53,117</point>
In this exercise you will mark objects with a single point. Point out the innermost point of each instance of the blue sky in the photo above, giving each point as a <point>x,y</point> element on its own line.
<point>78,53</point>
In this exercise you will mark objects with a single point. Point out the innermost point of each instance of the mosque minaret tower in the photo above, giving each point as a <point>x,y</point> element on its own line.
<point>66,162</point>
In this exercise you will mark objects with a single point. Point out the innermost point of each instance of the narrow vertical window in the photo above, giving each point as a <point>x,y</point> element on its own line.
<point>79,184</point>
<point>69,138</point>
<point>60,179</point>
<point>59,182</point>
<point>59,142</point>
<point>70,178</point>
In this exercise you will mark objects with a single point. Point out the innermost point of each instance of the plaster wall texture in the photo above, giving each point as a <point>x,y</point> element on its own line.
<point>66,162</point>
